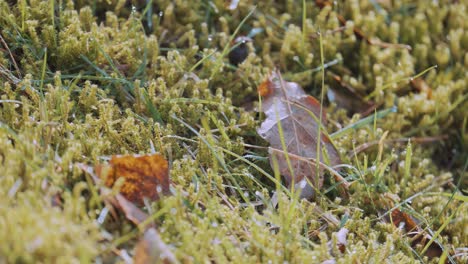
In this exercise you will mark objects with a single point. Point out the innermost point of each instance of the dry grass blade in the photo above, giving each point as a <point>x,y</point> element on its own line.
<point>417,140</point>
<point>18,72</point>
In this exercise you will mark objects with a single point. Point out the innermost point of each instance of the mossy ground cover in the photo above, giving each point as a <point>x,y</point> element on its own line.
<point>84,80</point>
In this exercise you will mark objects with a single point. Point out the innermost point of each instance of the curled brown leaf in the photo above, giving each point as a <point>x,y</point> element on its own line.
<point>292,126</point>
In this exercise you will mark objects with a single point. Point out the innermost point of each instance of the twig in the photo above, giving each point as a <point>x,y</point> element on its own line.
<point>11,56</point>
<point>419,140</point>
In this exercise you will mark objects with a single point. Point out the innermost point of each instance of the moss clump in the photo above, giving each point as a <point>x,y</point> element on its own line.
<point>34,230</point>
<point>83,80</point>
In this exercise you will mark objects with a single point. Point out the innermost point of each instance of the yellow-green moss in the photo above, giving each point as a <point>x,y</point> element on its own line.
<point>99,78</point>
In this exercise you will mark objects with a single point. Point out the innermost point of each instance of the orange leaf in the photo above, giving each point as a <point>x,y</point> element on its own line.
<point>145,176</point>
<point>287,106</point>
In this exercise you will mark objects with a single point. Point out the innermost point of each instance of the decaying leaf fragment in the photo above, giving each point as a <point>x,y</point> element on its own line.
<point>151,249</point>
<point>422,87</point>
<point>415,232</point>
<point>146,176</point>
<point>291,127</point>
<point>345,96</point>
<point>341,240</point>
<point>132,213</point>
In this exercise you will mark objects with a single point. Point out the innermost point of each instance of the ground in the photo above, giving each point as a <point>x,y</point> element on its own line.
<point>82,81</point>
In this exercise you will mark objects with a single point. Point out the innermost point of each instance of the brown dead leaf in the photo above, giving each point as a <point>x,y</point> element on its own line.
<point>130,210</point>
<point>145,176</point>
<point>341,239</point>
<point>400,218</point>
<point>151,249</point>
<point>287,106</point>
<point>345,96</point>
<point>323,3</point>
<point>415,232</point>
<point>422,87</point>
<point>132,213</point>
<point>118,201</point>
<point>341,243</point>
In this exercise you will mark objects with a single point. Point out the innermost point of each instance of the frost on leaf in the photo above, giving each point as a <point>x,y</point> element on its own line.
<point>291,127</point>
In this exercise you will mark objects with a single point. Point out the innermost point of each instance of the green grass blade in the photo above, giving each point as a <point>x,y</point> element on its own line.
<point>363,122</point>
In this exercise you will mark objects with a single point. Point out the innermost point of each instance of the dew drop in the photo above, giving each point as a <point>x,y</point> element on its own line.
<point>103,215</point>
<point>259,194</point>
<point>303,184</point>
<point>216,241</point>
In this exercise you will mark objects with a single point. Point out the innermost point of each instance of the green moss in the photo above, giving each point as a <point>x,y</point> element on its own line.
<point>100,78</point>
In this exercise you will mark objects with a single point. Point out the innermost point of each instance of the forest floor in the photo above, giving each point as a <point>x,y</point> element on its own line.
<point>146,131</point>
